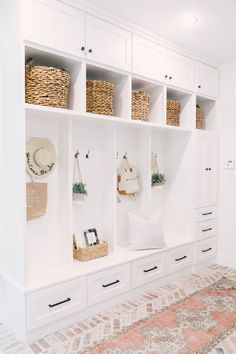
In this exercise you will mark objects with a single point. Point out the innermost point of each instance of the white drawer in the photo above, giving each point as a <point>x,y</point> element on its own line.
<point>111,282</point>
<point>205,250</point>
<point>179,258</point>
<point>55,302</point>
<point>147,269</point>
<point>207,213</point>
<point>205,229</point>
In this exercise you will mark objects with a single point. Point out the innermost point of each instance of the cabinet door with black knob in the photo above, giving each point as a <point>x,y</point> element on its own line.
<point>206,169</point>
<point>207,80</point>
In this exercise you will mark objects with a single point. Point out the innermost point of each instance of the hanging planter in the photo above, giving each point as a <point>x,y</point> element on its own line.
<point>158,179</point>
<point>79,188</point>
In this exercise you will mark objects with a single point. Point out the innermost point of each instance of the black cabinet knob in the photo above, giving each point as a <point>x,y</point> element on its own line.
<point>170,78</point>
<point>199,86</point>
<point>166,76</point>
<point>90,50</point>
<point>82,48</point>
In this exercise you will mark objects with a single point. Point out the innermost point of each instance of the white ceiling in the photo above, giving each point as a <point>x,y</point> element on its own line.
<point>213,37</point>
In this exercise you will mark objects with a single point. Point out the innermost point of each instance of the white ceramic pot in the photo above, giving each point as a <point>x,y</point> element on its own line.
<point>78,197</point>
<point>158,186</point>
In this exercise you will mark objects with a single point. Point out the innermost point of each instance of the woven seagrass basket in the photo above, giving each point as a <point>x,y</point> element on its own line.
<point>93,252</point>
<point>199,118</point>
<point>140,105</point>
<point>173,112</point>
<point>46,86</point>
<point>100,97</point>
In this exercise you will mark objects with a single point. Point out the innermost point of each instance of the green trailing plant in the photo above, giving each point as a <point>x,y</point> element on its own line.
<point>158,179</point>
<point>80,188</point>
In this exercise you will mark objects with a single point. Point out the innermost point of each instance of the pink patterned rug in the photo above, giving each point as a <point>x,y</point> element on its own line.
<point>195,324</point>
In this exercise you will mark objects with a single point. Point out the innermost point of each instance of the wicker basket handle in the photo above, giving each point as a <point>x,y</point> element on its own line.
<point>29,62</point>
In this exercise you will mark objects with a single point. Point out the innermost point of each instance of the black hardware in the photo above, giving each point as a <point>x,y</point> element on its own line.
<point>76,154</point>
<point>125,156</point>
<point>210,228</point>
<point>82,48</point>
<point>87,155</point>
<point>149,270</point>
<point>206,169</point>
<point>90,50</point>
<point>114,282</point>
<point>209,169</point>
<point>204,214</point>
<point>199,86</point>
<point>166,76</point>
<point>180,259</point>
<point>170,78</point>
<point>59,303</point>
<point>207,250</point>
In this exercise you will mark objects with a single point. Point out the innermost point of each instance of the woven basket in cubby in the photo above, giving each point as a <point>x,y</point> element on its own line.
<point>199,118</point>
<point>140,105</point>
<point>173,112</point>
<point>99,95</point>
<point>89,253</point>
<point>46,86</point>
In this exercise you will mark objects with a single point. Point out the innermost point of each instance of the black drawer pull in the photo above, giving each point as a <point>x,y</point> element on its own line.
<point>204,214</point>
<point>207,250</point>
<point>149,270</point>
<point>59,303</point>
<point>180,259</point>
<point>114,282</point>
<point>209,229</point>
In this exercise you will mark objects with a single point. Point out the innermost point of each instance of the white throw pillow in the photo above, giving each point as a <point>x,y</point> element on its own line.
<point>144,234</point>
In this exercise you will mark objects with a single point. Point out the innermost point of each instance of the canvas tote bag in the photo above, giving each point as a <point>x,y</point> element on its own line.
<point>127,179</point>
<point>36,198</point>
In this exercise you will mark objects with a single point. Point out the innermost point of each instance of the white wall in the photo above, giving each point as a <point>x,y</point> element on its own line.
<point>12,197</point>
<point>226,126</point>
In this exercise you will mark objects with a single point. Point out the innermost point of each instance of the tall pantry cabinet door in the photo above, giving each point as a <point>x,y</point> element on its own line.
<point>149,59</point>
<point>54,25</point>
<point>108,44</point>
<point>206,170</point>
<point>181,70</point>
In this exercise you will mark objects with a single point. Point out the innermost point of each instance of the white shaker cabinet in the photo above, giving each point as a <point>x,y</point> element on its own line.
<point>107,44</point>
<point>149,59</point>
<point>181,71</point>
<point>54,25</point>
<point>207,80</point>
<point>206,169</point>
<point>156,62</point>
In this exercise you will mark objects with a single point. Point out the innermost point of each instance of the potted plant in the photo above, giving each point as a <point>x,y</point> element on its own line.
<point>158,179</point>
<point>79,191</point>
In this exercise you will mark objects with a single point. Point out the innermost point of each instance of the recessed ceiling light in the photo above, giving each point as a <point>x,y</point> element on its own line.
<point>188,20</point>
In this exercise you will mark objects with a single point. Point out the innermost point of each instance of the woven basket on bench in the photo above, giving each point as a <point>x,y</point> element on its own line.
<point>100,97</point>
<point>46,86</point>
<point>88,253</point>
<point>140,105</point>
<point>173,112</point>
<point>199,118</point>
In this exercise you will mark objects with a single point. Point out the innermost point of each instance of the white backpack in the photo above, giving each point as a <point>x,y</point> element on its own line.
<point>127,178</point>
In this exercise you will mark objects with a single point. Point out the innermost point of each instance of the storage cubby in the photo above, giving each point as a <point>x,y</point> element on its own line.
<point>157,99</point>
<point>187,102</point>
<point>134,143</point>
<point>47,237</point>
<point>174,202</point>
<point>122,96</point>
<point>98,171</point>
<point>75,68</point>
<point>208,107</point>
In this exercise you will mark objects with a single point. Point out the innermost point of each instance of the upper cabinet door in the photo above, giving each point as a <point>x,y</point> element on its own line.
<point>108,44</point>
<point>55,25</point>
<point>149,59</point>
<point>181,71</point>
<point>207,82</point>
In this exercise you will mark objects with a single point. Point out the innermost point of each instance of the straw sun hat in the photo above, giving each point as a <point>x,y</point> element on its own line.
<point>40,157</point>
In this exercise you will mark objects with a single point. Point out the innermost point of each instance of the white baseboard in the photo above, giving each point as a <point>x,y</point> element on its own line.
<point>226,261</point>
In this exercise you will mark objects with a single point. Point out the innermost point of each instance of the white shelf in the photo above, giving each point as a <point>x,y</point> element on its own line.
<point>60,113</point>
<point>46,276</point>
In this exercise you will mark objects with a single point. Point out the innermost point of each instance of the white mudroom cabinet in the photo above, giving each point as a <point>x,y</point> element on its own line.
<point>42,283</point>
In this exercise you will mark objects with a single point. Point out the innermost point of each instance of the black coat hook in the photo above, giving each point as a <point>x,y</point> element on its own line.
<point>76,154</point>
<point>125,156</point>
<point>87,155</point>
